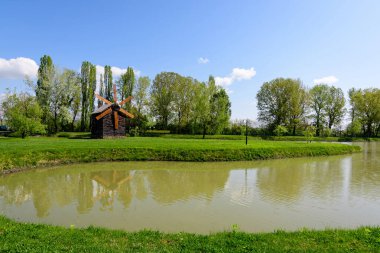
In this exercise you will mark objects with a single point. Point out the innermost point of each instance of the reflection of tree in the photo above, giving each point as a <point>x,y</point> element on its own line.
<point>168,186</point>
<point>14,193</point>
<point>281,181</point>
<point>139,185</point>
<point>42,200</point>
<point>49,187</point>
<point>284,180</point>
<point>85,193</point>
<point>325,177</point>
<point>366,180</point>
<point>54,187</point>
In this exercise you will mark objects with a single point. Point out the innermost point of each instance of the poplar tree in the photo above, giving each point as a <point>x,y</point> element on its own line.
<point>101,90</point>
<point>92,88</point>
<point>126,85</point>
<point>44,86</point>
<point>86,85</point>
<point>108,83</point>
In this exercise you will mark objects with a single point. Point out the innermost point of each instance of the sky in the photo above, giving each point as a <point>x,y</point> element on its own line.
<point>241,43</point>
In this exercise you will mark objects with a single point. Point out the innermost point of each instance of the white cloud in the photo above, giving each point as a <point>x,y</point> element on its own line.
<point>3,96</point>
<point>116,71</point>
<point>203,60</point>
<point>326,80</point>
<point>237,74</point>
<point>18,68</point>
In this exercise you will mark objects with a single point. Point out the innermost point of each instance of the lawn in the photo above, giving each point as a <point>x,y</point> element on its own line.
<point>23,237</point>
<point>42,151</point>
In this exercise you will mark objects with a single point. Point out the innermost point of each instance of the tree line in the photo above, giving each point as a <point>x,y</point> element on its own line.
<point>286,106</point>
<point>63,100</point>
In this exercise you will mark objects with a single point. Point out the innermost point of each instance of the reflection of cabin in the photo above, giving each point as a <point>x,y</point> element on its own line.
<point>112,182</point>
<point>112,185</point>
<point>105,127</point>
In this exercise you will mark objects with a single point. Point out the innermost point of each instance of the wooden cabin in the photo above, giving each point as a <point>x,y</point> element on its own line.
<point>105,126</point>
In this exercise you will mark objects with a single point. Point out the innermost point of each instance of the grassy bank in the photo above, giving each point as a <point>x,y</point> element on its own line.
<point>40,151</point>
<point>271,138</point>
<point>21,237</point>
<point>166,134</point>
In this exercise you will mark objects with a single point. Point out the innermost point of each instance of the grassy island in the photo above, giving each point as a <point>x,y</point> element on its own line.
<point>24,237</point>
<point>43,151</point>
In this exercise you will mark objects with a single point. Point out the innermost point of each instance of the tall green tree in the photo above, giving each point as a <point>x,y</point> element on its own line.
<point>126,85</point>
<point>108,83</point>
<point>88,85</point>
<point>282,102</point>
<point>141,103</point>
<point>220,111</point>
<point>46,72</point>
<point>183,100</point>
<point>140,94</point>
<point>162,95</point>
<point>64,103</point>
<point>54,93</point>
<point>298,104</point>
<point>57,102</point>
<point>23,114</point>
<point>72,95</point>
<point>335,106</point>
<point>203,94</point>
<point>367,108</point>
<point>327,104</point>
<point>212,89</point>
<point>101,90</point>
<point>92,88</point>
<point>351,94</point>
<point>319,96</point>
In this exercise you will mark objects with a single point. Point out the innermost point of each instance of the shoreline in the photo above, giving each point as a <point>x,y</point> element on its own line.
<point>17,155</point>
<point>19,236</point>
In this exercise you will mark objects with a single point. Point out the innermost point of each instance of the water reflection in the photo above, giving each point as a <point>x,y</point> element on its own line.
<point>86,186</point>
<point>339,191</point>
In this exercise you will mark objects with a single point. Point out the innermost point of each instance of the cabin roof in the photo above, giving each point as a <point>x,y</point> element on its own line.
<point>101,109</point>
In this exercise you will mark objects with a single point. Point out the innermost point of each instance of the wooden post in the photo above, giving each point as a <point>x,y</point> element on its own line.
<point>246,132</point>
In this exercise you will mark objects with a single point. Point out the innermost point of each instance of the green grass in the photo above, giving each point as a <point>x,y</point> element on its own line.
<point>40,151</point>
<point>271,138</point>
<point>24,237</point>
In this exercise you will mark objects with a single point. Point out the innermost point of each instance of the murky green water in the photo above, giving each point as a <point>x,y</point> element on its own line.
<point>339,191</point>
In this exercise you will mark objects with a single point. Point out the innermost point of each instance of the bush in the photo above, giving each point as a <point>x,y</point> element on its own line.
<point>280,130</point>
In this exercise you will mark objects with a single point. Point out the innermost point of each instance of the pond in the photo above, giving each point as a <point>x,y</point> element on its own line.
<point>257,196</point>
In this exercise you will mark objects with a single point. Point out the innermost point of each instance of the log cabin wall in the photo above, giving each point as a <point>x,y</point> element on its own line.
<point>104,128</point>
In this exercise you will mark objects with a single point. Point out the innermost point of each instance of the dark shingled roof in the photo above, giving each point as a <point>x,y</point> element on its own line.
<point>101,109</point>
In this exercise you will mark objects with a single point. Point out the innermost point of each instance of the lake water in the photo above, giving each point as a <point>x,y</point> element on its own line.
<point>288,194</point>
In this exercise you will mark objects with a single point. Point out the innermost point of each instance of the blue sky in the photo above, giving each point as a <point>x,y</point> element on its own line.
<point>336,41</point>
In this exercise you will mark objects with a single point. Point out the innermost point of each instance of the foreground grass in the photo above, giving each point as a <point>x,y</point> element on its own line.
<point>23,237</point>
<point>39,151</point>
